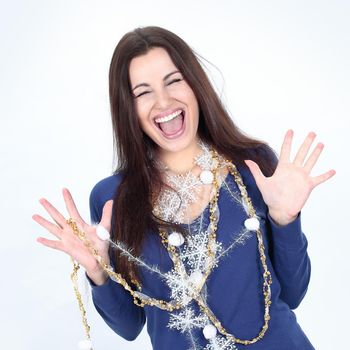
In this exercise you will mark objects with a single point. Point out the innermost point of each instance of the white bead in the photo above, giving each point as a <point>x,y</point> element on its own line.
<point>85,344</point>
<point>209,331</point>
<point>102,233</point>
<point>252,224</point>
<point>176,239</point>
<point>206,177</point>
<point>196,278</point>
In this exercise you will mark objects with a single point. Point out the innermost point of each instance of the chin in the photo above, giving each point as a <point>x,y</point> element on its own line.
<point>178,145</point>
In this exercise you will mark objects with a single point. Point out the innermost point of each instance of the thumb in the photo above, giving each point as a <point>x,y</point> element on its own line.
<point>107,215</point>
<point>254,168</point>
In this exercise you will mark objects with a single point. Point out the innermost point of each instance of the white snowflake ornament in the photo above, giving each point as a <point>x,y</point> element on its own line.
<point>195,252</point>
<point>186,320</point>
<point>173,203</point>
<point>180,286</point>
<point>220,343</point>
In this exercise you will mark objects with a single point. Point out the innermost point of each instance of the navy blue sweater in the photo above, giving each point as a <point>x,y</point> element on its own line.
<point>234,287</point>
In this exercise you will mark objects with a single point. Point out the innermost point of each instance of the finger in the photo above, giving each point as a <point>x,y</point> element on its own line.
<point>322,178</point>
<point>52,228</point>
<point>310,163</point>
<point>58,245</point>
<point>304,149</point>
<point>286,146</point>
<point>71,208</point>
<point>54,213</point>
<point>107,215</point>
<point>256,172</point>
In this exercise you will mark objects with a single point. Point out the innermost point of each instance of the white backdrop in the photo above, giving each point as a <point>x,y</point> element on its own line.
<point>285,65</point>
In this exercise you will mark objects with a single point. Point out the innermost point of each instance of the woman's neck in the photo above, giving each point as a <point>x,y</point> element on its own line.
<point>182,161</point>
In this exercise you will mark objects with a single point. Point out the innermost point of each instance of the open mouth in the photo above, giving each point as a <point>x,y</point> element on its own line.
<point>171,125</point>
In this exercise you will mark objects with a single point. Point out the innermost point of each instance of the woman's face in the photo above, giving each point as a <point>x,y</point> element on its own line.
<point>166,105</point>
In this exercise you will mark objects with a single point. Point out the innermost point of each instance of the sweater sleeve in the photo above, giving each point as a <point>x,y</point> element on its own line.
<point>111,300</point>
<point>287,245</point>
<point>290,260</point>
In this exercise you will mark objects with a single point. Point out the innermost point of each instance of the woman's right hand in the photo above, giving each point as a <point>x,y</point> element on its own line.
<point>69,243</point>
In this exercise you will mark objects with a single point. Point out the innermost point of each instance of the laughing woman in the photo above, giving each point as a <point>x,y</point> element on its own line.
<point>199,227</point>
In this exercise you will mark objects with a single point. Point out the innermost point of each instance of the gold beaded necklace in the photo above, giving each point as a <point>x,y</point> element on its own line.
<point>141,299</point>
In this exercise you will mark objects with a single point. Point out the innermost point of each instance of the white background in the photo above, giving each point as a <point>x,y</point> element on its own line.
<point>285,65</point>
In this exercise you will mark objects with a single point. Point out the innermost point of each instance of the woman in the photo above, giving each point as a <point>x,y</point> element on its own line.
<point>206,242</point>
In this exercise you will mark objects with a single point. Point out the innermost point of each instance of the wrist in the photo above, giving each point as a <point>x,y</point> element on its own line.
<point>280,218</point>
<point>96,273</point>
<point>98,277</point>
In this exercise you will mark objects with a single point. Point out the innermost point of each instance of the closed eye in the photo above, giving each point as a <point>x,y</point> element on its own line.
<point>142,93</point>
<point>170,82</point>
<point>174,81</point>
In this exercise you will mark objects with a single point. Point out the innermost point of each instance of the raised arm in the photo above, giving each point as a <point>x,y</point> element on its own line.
<point>285,193</point>
<point>112,301</point>
<point>288,253</point>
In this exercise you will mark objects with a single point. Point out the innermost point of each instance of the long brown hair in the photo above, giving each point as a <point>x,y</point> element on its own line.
<point>132,213</point>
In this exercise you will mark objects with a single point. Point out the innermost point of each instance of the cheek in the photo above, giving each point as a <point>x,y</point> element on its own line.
<point>143,116</point>
<point>142,123</point>
<point>192,102</point>
<point>188,95</point>
<point>141,112</point>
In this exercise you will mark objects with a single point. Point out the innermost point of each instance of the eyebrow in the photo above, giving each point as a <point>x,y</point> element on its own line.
<point>165,78</point>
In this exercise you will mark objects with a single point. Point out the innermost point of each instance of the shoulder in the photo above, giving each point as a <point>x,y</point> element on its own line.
<point>265,157</point>
<point>104,190</point>
<point>267,160</point>
<point>253,191</point>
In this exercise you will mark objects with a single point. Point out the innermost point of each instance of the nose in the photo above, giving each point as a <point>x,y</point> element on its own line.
<point>163,99</point>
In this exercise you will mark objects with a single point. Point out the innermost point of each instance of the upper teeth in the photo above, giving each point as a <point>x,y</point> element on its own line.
<point>168,117</point>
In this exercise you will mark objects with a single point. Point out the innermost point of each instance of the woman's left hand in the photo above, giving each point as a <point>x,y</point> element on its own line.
<point>287,190</point>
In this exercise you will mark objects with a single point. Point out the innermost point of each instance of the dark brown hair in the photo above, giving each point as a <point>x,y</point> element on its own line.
<point>132,213</point>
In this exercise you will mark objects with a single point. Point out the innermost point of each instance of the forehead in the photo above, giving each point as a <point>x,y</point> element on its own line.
<point>155,64</point>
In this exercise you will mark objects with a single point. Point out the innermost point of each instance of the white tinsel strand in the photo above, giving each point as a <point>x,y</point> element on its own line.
<point>239,239</point>
<point>193,341</point>
<point>236,197</point>
<point>137,260</point>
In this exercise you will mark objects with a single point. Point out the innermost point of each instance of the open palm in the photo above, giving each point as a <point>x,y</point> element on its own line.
<point>287,190</point>
<point>67,241</point>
